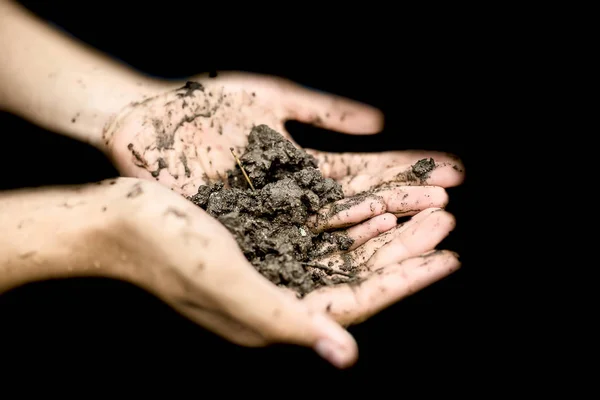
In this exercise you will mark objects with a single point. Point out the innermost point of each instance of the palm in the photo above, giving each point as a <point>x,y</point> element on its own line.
<point>182,137</point>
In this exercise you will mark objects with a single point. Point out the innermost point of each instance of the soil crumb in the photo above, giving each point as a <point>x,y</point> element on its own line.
<point>269,221</point>
<point>422,168</point>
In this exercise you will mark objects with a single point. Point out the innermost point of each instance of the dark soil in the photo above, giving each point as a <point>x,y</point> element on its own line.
<point>269,222</point>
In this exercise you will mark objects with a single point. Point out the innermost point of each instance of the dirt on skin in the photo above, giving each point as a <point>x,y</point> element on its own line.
<point>269,222</point>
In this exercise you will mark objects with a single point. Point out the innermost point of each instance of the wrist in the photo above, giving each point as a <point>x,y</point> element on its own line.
<point>126,97</point>
<point>108,95</point>
<point>52,233</point>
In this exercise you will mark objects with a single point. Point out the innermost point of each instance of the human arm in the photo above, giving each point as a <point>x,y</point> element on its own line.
<point>65,86</point>
<point>143,233</point>
<point>59,83</point>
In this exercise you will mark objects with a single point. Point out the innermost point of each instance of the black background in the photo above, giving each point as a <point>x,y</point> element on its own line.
<point>425,70</point>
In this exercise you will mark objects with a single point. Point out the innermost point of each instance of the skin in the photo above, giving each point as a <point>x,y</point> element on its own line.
<point>140,229</point>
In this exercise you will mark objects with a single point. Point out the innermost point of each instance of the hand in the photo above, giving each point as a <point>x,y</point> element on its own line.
<point>182,138</point>
<point>394,264</point>
<point>178,252</point>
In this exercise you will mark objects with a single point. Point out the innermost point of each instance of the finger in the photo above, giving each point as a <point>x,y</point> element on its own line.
<point>418,239</point>
<point>362,254</point>
<point>355,236</point>
<point>347,212</point>
<point>370,229</point>
<point>340,165</point>
<point>261,306</point>
<point>330,111</point>
<point>351,304</point>
<point>424,172</point>
<point>409,200</point>
<point>401,201</point>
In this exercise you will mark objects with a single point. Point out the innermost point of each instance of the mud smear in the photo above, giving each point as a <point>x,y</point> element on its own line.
<point>269,222</point>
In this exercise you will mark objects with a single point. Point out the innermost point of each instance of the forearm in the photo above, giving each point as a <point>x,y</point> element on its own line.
<point>59,83</point>
<point>60,232</point>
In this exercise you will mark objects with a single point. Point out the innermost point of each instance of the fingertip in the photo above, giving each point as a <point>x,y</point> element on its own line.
<point>449,261</point>
<point>378,118</point>
<point>448,219</point>
<point>334,343</point>
<point>440,219</point>
<point>451,220</point>
<point>365,120</point>
<point>331,111</point>
<point>455,262</point>
<point>440,195</point>
<point>331,352</point>
<point>386,221</point>
<point>449,174</point>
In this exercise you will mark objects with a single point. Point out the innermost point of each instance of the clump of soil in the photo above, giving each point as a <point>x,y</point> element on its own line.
<point>269,223</point>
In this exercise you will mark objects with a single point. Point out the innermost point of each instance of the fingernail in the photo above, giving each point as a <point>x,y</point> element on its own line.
<point>330,351</point>
<point>336,345</point>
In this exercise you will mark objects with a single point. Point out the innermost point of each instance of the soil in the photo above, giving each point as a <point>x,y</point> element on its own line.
<point>267,212</point>
<point>268,221</point>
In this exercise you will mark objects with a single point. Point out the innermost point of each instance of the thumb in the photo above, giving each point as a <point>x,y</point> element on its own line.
<point>281,318</point>
<point>331,341</point>
<point>318,331</point>
<point>330,111</point>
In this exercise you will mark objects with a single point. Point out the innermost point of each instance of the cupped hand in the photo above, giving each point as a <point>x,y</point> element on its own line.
<point>182,138</point>
<point>178,252</point>
<point>393,261</point>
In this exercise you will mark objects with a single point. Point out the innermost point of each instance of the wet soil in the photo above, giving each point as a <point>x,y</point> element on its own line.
<point>269,219</point>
